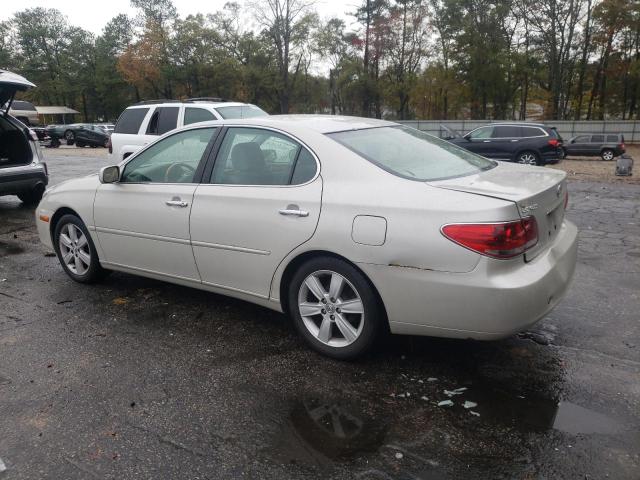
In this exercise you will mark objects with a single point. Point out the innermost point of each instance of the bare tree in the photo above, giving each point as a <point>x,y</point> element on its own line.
<point>286,23</point>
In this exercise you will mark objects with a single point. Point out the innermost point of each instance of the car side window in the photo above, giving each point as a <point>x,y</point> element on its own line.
<point>581,139</point>
<point>597,138</point>
<point>481,133</point>
<point>612,139</point>
<point>195,115</point>
<point>531,132</point>
<point>172,160</point>
<point>506,131</point>
<point>130,120</point>
<point>163,120</point>
<point>252,156</point>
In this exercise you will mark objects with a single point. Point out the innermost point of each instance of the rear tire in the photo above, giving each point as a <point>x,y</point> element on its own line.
<point>76,252</point>
<point>32,197</point>
<point>528,158</point>
<point>343,316</point>
<point>607,154</point>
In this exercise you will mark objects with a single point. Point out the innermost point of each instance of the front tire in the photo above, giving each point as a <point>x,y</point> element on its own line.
<point>76,252</point>
<point>334,308</point>
<point>607,155</point>
<point>528,158</point>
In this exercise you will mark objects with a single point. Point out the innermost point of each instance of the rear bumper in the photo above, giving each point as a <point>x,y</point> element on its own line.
<point>19,179</point>
<point>495,300</point>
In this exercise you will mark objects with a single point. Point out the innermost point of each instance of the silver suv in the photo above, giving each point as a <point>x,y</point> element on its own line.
<point>22,171</point>
<point>143,122</point>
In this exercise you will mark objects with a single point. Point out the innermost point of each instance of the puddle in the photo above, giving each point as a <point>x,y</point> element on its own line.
<point>574,419</point>
<point>322,432</point>
<point>7,249</point>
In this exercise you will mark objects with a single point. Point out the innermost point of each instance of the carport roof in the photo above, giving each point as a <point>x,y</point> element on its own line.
<point>53,110</point>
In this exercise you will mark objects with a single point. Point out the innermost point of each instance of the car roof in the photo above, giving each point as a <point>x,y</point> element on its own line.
<point>195,102</point>
<point>318,123</point>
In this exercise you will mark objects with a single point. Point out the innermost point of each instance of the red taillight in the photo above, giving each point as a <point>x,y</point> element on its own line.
<point>622,147</point>
<point>554,142</point>
<point>497,240</point>
<point>110,146</point>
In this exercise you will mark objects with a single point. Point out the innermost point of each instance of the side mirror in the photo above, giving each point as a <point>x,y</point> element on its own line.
<point>109,174</point>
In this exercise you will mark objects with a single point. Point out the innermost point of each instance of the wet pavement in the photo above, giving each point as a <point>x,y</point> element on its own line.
<point>135,378</point>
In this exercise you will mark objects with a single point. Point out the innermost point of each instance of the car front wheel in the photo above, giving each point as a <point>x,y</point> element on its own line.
<point>70,137</point>
<point>607,155</point>
<point>528,158</point>
<point>76,251</point>
<point>334,308</point>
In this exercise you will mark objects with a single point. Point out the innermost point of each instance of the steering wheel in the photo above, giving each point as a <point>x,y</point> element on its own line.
<point>185,167</point>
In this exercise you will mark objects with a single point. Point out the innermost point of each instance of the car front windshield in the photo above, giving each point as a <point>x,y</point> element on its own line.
<point>412,154</point>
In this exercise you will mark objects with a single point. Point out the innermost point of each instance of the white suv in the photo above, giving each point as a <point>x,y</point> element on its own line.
<point>143,122</point>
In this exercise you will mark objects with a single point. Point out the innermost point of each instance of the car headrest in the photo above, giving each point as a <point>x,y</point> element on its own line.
<point>247,157</point>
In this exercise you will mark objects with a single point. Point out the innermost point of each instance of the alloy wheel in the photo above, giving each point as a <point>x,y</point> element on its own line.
<point>74,249</point>
<point>527,159</point>
<point>331,308</point>
<point>607,155</point>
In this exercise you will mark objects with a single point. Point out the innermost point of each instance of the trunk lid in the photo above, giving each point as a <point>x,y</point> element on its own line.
<point>10,83</point>
<point>536,191</point>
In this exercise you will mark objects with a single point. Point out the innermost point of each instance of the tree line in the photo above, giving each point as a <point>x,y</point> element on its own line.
<point>401,59</point>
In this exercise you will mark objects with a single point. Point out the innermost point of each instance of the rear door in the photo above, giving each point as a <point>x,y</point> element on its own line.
<point>596,144</point>
<point>261,200</point>
<point>504,141</point>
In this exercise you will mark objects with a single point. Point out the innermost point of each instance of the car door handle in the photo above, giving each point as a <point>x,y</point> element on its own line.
<point>486,141</point>
<point>176,202</point>
<point>514,140</point>
<point>294,211</point>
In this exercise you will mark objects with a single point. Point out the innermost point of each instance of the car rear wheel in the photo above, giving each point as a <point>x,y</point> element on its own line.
<point>334,308</point>
<point>79,144</point>
<point>528,158</point>
<point>76,251</point>
<point>607,155</point>
<point>32,197</point>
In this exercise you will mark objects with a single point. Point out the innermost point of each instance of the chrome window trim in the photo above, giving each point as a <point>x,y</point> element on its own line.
<point>281,132</point>
<point>545,134</point>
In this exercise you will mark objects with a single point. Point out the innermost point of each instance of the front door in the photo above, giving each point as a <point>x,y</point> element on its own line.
<point>142,221</point>
<point>262,200</point>
<point>479,141</point>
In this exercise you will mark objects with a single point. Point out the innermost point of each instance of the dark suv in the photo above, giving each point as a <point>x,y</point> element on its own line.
<point>607,146</point>
<point>527,143</point>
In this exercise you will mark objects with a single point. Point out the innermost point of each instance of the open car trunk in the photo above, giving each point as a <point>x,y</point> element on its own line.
<point>14,144</point>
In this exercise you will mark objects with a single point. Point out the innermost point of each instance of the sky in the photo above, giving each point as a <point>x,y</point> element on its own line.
<point>93,15</point>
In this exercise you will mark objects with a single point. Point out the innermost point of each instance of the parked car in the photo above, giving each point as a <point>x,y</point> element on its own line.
<point>91,135</point>
<point>302,214</point>
<point>526,143</point>
<point>25,112</point>
<point>22,171</point>
<point>608,146</point>
<point>59,133</point>
<point>143,122</point>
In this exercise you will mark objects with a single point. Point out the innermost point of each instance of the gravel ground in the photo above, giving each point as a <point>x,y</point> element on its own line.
<point>135,378</point>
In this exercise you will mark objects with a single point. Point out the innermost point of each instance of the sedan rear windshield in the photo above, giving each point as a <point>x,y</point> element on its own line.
<point>244,111</point>
<point>410,153</point>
